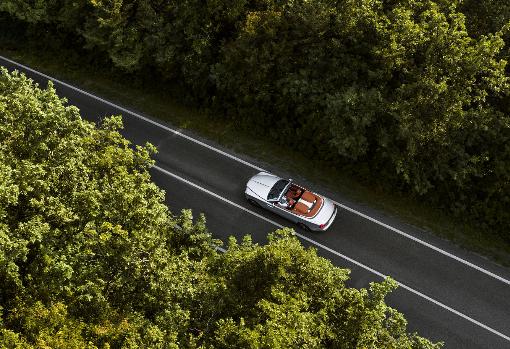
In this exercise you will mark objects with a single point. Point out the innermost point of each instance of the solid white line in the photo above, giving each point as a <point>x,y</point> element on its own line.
<point>437,249</point>
<point>313,242</point>
<point>179,178</point>
<point>176,132</point>
<point>215,195</point>
<point>278,225</point>
<point>221,249</point>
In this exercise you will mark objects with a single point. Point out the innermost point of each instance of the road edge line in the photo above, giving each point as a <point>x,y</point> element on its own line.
<point>336,253</point>
<point>179,133</point>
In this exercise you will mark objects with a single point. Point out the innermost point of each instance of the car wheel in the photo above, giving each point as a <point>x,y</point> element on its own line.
<point>253,202</point>
<point>304,226</point>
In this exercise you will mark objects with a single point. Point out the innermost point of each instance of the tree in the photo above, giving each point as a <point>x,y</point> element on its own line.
<point>485,17</point>
<point>91,257</point>
<point>281,295</point>
<point>398,88</point>
<point>81,222</point>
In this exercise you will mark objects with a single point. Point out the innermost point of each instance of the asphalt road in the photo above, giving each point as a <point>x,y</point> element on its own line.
<point>447,293</point>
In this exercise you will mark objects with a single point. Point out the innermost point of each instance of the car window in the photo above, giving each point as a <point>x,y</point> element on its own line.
<point>277,189</point>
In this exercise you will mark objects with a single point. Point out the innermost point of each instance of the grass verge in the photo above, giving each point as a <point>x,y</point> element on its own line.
<point>155,101</point>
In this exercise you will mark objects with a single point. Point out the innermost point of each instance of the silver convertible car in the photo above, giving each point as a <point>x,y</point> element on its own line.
<point>309,210</point>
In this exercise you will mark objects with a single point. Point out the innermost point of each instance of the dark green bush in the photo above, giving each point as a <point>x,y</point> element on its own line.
<point>402,86</point>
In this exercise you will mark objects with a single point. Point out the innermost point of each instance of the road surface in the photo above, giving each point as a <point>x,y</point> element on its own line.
<point>446,293</point>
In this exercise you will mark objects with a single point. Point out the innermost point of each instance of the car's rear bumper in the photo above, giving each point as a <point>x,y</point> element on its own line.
<point>330,220</point>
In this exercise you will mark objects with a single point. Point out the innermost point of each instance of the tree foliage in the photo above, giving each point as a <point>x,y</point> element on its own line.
<point>90,256</point>
<point>486,16</point>
<point>402,88</point>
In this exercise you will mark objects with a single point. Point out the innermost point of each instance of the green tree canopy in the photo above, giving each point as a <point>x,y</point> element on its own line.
<point>90,256</point>
<point>402,89</point>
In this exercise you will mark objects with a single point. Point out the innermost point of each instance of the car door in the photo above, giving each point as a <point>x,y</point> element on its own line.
<point>273,206</point>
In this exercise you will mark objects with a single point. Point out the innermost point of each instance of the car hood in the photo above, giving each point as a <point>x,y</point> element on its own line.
<point>261,184</point>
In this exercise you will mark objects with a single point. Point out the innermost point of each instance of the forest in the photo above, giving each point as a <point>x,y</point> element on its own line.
<point>91,257</point>
<point>412,94</point>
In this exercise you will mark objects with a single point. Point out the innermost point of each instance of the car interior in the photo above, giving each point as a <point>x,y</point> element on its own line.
<point>293,194</point>
<point>300,201</point>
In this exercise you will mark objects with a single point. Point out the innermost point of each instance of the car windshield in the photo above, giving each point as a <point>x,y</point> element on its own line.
<point>277,189</point>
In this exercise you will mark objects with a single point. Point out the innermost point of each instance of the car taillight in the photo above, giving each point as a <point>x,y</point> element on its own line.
<point>322,226</point>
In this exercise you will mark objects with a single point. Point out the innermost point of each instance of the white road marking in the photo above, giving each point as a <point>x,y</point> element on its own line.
<point>437,249</point>
<point>166,128</point>
<point>176,132</point>
<point>221,249</point>
<point>313,242</point>
<point>276,224</point>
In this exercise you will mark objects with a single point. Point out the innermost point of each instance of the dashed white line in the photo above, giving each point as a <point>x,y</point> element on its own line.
<point>353,261</point>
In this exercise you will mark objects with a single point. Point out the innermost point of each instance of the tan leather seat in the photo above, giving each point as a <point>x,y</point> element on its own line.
<point>301,208</point>
<point>307,196</point>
